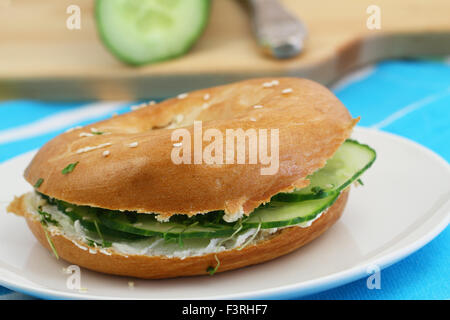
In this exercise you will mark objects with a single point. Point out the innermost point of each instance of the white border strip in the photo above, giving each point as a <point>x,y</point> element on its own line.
<point>60,121</point>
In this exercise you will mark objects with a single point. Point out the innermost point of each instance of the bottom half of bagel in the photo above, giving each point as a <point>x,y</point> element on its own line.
<point>267,245</point>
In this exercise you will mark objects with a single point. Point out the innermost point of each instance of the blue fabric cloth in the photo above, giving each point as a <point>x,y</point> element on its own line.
<point>409,98</point>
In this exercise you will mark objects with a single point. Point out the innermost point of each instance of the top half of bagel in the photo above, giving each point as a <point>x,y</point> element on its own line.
<point>139,175</point>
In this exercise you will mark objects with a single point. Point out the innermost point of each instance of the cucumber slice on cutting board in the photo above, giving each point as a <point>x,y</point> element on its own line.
<point>347,165</point>
<point>144,31</point>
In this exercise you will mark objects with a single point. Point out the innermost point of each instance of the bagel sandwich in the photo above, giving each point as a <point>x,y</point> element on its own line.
<point>132,196</point>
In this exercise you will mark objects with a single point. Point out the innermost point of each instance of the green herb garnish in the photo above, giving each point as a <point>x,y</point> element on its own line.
<point>360,181</point>
<point>166,236</point>
<point>107,244</point>
<point>50,242</point>
<point>38,183</point>
<point>252,237</point>
<point>104,244</point>
<point>95,244</point>
<point>180,241</point>
<point>212,270</point>
<point>69,168</point>
<point>317,190</point>
<point>239,224</point>
<point>46,218</point>
<point>97,132</point>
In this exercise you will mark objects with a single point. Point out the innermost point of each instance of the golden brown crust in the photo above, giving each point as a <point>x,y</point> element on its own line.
<point>17,206</point>
<point>155,267</point>
<point>312,124</point>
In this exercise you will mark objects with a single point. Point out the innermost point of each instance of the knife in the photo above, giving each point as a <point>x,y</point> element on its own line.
<point>278,32</point>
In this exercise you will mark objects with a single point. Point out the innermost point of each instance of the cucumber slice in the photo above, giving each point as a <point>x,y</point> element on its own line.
<point>273,215</point>
<point>347,165</point>
<point>281,214</point>
<point>89,220</point>
<point>143,31</point>
<point>147,225</point>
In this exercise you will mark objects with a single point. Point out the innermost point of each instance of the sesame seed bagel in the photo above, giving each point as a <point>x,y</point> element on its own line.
<point>109,261</point>
<point>124,163</point>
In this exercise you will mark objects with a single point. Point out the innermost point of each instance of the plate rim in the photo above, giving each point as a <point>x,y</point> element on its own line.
<point>285,291</point>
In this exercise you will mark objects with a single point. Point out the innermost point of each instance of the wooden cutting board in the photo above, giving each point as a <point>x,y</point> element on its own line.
<point>41,58</point>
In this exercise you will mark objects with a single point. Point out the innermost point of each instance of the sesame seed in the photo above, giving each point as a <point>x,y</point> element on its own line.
<point>105,153</point>
<point>206,96</point>
<point>252,119</point>
<point>94,130</point>
<point>258,106</point>
<point>182,95</point>
<point>288,90</point>
<point>179,118</point>
<point>131,284</point>
<point>205,106</point>
<point>271,84</point>
<point>85,134</point>
<point>86,149</point>
<point>133,144</point>
<point>68,210</point>
<point>152,102</point>
<point>178,144</point>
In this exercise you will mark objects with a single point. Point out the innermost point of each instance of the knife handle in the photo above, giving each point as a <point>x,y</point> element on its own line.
<point>278,32</point>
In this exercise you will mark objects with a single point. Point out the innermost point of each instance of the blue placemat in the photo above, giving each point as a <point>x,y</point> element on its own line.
<point>409,98</point>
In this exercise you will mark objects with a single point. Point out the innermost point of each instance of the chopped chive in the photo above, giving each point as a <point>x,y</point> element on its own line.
<point>38,183</point>
<point>69,168</point>
<point>212,270</point>
<point>360,182</point>
<point>97,132</point>
<point>94,244</point>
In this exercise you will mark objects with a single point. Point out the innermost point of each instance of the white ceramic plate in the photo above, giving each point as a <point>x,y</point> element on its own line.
<point>403,205</point>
